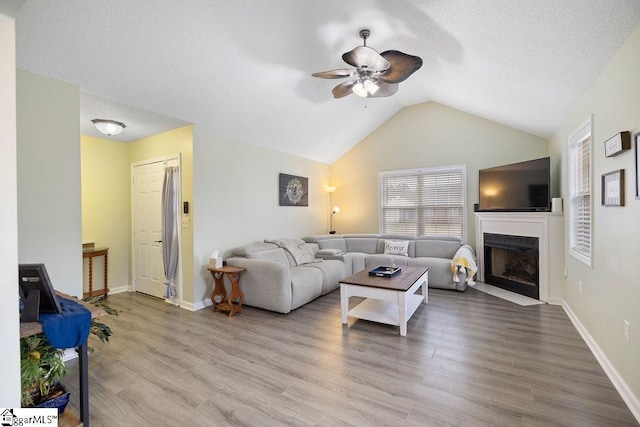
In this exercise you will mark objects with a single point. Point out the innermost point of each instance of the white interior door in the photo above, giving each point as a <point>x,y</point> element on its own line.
<point>148,270</point>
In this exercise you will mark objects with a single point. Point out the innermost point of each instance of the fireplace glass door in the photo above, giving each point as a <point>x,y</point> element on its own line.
<point>511,263</point>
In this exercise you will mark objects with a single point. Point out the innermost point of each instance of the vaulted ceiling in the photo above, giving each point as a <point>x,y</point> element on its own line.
<point>242,69</point>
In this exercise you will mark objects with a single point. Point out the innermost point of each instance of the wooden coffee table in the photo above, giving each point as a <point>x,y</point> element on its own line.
<point>389,300</point>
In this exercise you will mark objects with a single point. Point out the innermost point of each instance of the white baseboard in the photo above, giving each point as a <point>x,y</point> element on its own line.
<point>118,290</point>
<point>627,395</point>
<point>556,301</point>
<point>196,306</point>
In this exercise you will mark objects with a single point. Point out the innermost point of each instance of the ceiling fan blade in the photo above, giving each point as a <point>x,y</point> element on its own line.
<point>363,56</point>
<point>343,89</point>
<point>384,89</point>
<point>402,66</point>
<point>335,74</point>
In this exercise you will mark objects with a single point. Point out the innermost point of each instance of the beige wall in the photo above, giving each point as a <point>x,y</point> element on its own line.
<point>49,207</point>
<point>611,289</point>
<point>106,207</point>
<point>173,142</point>
<point>423,135</point>
<point>236,200</point>
<point>9,336</point>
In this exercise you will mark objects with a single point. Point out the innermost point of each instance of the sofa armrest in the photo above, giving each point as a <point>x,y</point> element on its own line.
<point>265,284</point>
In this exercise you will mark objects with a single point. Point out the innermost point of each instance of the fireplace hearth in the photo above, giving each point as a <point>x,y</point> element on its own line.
<point>512,263</point>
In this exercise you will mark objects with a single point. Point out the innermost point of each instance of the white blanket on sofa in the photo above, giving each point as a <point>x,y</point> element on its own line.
<point>301,253</point>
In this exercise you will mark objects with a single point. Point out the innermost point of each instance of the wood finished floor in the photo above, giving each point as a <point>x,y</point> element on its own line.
<point>468,359</point>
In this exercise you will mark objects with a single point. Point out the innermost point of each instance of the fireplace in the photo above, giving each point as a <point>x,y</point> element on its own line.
<point>512,263</point>
<point>547,227</point>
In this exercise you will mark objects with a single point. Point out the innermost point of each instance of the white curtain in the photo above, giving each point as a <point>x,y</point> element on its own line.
<point>170,224</point>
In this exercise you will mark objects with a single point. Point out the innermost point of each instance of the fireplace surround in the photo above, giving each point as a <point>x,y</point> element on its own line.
<point>547,227</point>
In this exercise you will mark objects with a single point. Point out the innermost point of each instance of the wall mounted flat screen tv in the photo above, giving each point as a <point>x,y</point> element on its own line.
<point>520,186</point>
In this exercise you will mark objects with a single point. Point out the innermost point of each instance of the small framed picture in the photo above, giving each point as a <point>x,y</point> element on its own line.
<point>613,188</point>
<point>617,144</point>
<point>636,141</point>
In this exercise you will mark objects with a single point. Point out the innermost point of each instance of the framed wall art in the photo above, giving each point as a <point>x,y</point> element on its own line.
<point>617,144</point>
<point>636,140</point>
<point>613,188</point>
<point>293,190</point>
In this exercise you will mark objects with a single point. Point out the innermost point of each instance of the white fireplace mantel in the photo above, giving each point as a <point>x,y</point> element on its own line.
<point>548,227</point>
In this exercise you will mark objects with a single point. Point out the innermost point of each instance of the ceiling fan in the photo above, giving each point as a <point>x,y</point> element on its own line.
<point>376,74</point>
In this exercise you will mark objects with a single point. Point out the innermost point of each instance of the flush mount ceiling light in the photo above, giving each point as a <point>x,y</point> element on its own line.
<point>376,74</point>
<point>108,127</point>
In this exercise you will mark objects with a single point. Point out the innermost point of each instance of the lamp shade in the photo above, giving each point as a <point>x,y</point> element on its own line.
<point>108,127</point>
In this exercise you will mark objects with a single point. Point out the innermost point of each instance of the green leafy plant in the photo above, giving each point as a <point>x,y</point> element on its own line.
<point>99,329</point>
<point>41,368</point>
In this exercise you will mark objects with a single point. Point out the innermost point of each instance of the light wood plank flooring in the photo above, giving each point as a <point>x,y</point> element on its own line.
<point>468,359</point>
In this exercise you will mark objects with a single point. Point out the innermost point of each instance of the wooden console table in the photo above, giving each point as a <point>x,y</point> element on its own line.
<point>68,418</point>
<point>91,253</point>
<point>219,296</point>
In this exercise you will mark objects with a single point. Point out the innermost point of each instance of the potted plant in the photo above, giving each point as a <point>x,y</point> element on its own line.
<point>42,368</point>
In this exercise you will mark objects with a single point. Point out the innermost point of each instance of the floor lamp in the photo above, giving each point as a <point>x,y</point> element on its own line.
<point>334,209</point>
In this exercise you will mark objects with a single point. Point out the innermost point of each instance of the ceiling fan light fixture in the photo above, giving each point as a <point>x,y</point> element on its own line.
<point>108,127</point>
<point>365,88</point>
<point>370,87</point>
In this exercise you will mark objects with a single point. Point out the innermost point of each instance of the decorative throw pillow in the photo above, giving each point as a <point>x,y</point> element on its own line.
<point>392,247</point>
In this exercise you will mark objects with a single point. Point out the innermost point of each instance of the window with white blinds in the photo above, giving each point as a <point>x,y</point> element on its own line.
<point>423,201</point>
<point>580,193</point>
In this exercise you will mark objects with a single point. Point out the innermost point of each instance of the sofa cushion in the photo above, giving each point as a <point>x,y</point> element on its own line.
<point>333,244</point>
<point>362,244</point>
<point>396,247</point>
<point>332,271</point>
<point>306,285</point>
<point>277,255</point>
<point>439,270</point>
<point>437,247</point>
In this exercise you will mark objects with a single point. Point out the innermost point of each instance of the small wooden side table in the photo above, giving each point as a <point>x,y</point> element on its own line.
<point>233,302</point>
<point>90,253</point>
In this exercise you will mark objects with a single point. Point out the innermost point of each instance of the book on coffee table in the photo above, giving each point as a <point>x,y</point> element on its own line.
<point>384,271</point>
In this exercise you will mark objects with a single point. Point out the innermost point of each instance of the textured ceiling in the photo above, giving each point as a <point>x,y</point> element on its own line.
<point>242,69</point>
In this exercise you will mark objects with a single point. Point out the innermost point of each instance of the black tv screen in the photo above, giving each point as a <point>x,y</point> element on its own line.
<point>520,186</point>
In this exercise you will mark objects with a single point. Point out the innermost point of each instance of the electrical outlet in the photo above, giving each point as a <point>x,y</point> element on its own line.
<point>580,286</point>
<point>186,222</point>
<point>627,331</point>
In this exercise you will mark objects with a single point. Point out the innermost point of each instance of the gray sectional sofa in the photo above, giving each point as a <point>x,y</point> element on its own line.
<point>282,279</point>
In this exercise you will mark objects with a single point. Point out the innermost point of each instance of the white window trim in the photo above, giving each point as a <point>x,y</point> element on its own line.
<point>443,169</point>
<point>586,128</point>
